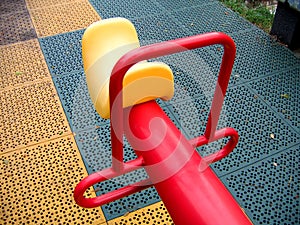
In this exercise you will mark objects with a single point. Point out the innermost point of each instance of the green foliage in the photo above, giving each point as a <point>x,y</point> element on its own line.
<point>254,11</point>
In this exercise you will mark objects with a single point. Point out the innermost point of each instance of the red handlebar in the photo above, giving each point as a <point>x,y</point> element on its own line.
<point>158,50</point>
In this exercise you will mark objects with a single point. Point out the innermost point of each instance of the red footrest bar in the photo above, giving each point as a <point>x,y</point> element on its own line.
<point>107,174</point>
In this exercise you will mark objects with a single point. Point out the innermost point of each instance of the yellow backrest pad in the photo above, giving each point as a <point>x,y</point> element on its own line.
<point>103,44</point>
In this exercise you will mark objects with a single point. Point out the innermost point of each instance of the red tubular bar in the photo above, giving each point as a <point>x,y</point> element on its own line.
<point>162,49</point>
<point>219,134</point>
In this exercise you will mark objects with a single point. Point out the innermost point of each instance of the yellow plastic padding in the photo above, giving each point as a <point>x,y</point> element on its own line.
<point>103,44</point>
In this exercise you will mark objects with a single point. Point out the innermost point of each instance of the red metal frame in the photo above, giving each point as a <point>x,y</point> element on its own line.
<point>188,187</point>
<point>162,49</point>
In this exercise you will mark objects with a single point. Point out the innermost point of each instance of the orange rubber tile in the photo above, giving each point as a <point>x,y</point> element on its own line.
<point>21,63</point>
<point>30,114</point>
<point>37,185</point>
<point>153,214</point>
<point>63,18</point>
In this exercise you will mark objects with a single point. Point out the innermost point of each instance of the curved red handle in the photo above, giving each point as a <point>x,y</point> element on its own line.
<point>219,134</point>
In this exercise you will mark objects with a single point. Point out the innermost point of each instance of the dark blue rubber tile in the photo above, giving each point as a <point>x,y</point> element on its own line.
<point>73,93</point>
<point>195,74</point>
<point>63,52</point>
<point>179,4</point>
<point>127,9</point>
<point>95,148</point>
<point>258,55</point>
<point>158,28</point>
<point>212,17</point>
<point>281,92</point>
<point>15,27</point>
<point>269,189</point>
<point>262,132</point>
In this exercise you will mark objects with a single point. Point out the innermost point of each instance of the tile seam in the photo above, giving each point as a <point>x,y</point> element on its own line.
<point>272,107</point>
<point>37,143</point>
<point>261,159</point>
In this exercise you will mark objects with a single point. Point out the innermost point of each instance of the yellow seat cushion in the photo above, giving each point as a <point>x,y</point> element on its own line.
<point>103,44</point>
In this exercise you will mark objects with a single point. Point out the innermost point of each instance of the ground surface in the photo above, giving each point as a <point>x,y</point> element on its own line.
<point>51,136</point>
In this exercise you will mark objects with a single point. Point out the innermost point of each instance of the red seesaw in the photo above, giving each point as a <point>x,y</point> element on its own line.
<point>188,187</point>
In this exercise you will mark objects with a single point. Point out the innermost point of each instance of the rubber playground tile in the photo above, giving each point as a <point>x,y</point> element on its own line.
<point>30,114</point>
<point>9,6</point>
<point>35,4</point>
<point>262,131</point>
<point>212,17</point>
<point>15,26</point>
<point>268,190</point>
<point>158,28</point>
<point>63,18</point>
<point>258,55</point>
<point>127,9</point>
<point>130,203</point>
<point>21,63</point>
<point>37,185</point>
<point>63,52</point>
<point>74,96</point>
<point>281,92</point>
<point>201,65</point>
<point>179,4</point>
<point>153,214</point>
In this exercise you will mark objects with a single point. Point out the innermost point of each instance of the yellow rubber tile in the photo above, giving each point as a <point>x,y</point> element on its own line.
<point>30,114</point>
<point>63,18</point>
<point>35,4</point>
<point>20,63</point>
<point>37,185</point>
<point>153,214</point>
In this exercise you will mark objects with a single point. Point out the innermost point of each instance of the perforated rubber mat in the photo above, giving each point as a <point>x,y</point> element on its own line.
<point>282,97</point>
<point>63,17</point>
<point>133,9</point>
<point>269,189</point>
<point>36,4</point>
<point>210,17</point>
<point>15,22</point>
<point>8,6</point>
<point>63,52</point>
<point>30,114</point>
<point>73,93</point>
<point>40,164</point>
<point>37,185</point>
<point>260,55</point>
<point>21,63</point>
